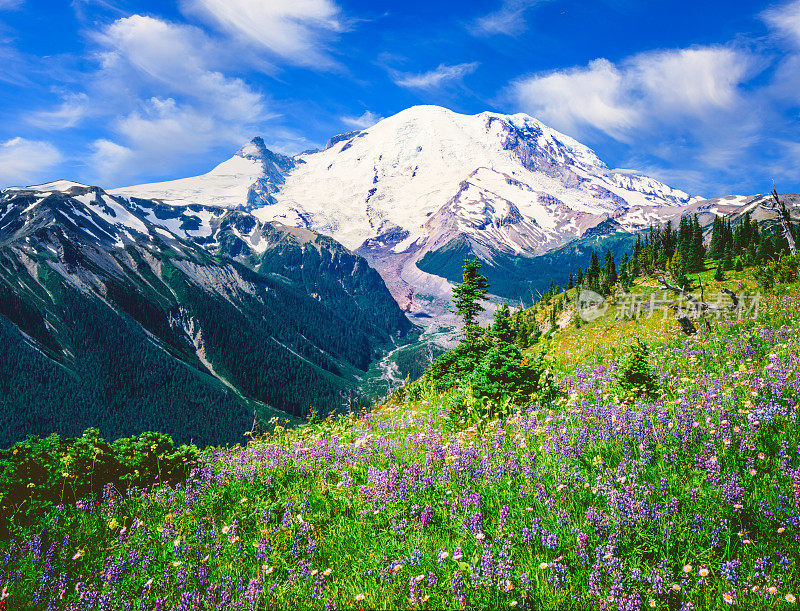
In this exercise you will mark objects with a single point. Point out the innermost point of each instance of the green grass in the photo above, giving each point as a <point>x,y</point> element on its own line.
<point>596,500</point>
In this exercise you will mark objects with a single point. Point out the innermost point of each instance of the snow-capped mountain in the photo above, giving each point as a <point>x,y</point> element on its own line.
<point>428,179</point>
<point>247,180</point>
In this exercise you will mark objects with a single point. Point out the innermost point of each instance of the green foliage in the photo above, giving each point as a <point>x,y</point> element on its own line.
<point>503,379</point>
<point>455,365</point>
<point>782,271</point>
<point>634,374</point>
<point>467,298</point>
<point>39,473</point>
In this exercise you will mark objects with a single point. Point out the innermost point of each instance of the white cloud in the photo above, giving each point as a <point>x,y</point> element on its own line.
<point>571,99</point>
<point>691,114</point>
<point>111,160</point>
<point>72,111</point>
<point>178,59</point>
<point>9,4</point>
<point>641,92</point>
<point>691,81</point>
<point>160,134</point>
<point>296,30</point>
<point>434,79</point>
<point>161,88</point>
<point>509,19</point>
<point>368,119</point>
<point>23,161</point>
<point>785,19</point>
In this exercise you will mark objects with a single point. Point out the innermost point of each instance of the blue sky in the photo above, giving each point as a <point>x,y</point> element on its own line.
<point>702,95</point>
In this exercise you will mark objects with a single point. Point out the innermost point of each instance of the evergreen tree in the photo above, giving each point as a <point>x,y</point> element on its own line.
<point>727,262</point>
<point>719,274</point>
<point>610,270</point>
<point>636,267</point>
<point>715,248</point>
<point>677,268</point>
<point>502,330</point>
<point>698,252</point>
<point>593,273</point>
<point>624,272</point>
<point>569,282</point>
<point>467,297</point>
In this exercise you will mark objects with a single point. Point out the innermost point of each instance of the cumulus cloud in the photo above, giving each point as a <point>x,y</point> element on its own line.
<point>178,59</point>
<point>162,90</point>
<point>162,133</point>
<point>434,79</point>
<point>639,92</point>
<point>23,161</point>
<point>509,19</point>
<point>593,95</point>
<point>296,30</point>
<point>692,108</point>
<point>367,119</point>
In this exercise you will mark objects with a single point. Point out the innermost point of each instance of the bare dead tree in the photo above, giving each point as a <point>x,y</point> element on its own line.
<point>687,326</point>
<point>734,297</point>
<point>699,306</point>
<point>258,429</point>
<point>783,215</point>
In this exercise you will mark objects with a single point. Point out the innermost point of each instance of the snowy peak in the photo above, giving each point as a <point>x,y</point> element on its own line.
<point>247,180</point>
<point>427,179</point>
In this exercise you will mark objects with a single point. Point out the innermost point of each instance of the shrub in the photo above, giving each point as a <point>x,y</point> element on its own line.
<point>634,375</point>
<point>451,368</point>
<point>39,473</point>
<point>782,271</point>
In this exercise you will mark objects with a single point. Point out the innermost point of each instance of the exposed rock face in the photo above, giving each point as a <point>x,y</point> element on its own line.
<point>429,180</point>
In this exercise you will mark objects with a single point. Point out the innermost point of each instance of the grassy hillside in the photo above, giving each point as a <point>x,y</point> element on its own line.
<point>685,499</point>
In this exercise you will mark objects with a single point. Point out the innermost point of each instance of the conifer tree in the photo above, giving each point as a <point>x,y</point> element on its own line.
<point>610,269</point>
<point>715,248</point>
<point>593,273</point>
<point>698,251</point>
<point>624,271</point>
<point>501,330</point>
<point>467,297</point>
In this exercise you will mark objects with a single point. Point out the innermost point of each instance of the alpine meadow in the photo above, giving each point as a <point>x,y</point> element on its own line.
<point>501,309</point>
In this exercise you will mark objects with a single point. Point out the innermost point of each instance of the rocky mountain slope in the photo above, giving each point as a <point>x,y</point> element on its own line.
<point>129,315</point>
<point>429,180</point>
<point>418,191</point>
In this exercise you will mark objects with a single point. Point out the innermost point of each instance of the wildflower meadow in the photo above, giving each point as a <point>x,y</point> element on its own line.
<point>686,497</point>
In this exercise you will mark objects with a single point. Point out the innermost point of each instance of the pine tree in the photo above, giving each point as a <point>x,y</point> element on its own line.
<point>501,330</point>
<point>624,271</point>
<point>727,262</point>
<point>677,268</point>
<point>715,248</point>
<point>609,272</point>
<point>698,251</point>
<point>593,273</point>
<point>467,297</point>
<point>569,282</point>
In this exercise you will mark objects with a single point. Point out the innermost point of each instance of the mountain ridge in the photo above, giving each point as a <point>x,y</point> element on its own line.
<point>113,316</point>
